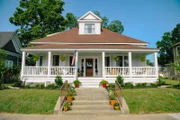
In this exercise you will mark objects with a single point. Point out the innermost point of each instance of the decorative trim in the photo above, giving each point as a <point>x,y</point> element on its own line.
<point>91,14</point>
<point>13,54</point>
<point>89,43</point>
<point>126,50</point>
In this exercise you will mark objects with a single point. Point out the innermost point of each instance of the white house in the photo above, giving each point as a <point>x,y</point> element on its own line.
<point>96,48</point>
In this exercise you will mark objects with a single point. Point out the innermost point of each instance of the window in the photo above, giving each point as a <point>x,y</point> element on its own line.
<point>107,61</point>
<point>123,61</point>
<point>41,61</point>
<point>178,50</point>
<point>8,63</point>
<point>55,60</point>
<point>89,29</point>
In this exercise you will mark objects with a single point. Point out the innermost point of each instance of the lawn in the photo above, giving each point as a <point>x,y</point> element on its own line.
<point>171,82</point>
<point>28,101</point>
<point>152,100</point>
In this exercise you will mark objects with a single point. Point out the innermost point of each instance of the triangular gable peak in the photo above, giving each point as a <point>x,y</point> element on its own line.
<point>90,16</point>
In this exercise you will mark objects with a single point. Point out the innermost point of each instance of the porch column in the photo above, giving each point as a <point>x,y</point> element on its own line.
<point>103,65</point>
<point>49,63</point>
<point>23,64</point>
<point>156,64</point>
<point>76,66</point>
<point>130,63</point>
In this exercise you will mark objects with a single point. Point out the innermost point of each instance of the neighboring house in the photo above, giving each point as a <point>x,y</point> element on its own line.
<point>10,43</point>
<point>170,71</point>
<point>96,48</point>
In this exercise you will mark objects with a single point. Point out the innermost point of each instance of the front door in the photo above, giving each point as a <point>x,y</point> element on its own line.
<point>89,67</point>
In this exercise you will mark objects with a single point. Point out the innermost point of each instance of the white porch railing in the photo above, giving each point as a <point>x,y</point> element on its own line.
<point>63,70</point>
<point>35,70</point>
<point>43,71</point>
<point>125,71</point>
<point>114,71</point>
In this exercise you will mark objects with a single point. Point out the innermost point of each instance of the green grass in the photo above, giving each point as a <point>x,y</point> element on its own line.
<point>28,101</point>
<point>152,100</point>
<point>171,82</point>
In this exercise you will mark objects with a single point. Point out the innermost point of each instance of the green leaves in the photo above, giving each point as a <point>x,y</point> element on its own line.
<point>37,18</point>
<point>165,45</point>
<point>115,25</point>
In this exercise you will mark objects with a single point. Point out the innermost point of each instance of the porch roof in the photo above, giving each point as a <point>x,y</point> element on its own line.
<point>107,47</point>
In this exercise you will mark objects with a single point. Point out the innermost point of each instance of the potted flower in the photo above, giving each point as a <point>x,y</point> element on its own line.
<point>62,58</point>
<point>142,58</point>
<point>71,93</point>
<point>112,99</point>
<point>66,107</point>
<point>35,58</point>
<point>76,83</point>
<point>116,58</point>
<point>103,83</point>
<point>69,103</point>
<point>116,106</point>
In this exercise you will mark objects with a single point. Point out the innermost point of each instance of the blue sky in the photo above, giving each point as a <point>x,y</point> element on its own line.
<point>146,20</point>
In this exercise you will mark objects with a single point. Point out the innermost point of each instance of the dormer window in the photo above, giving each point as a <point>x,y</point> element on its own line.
<point>89,29</point>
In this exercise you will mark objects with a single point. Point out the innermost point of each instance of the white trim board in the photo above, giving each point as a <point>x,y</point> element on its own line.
<point>145,44</point>
<point>107,50</point>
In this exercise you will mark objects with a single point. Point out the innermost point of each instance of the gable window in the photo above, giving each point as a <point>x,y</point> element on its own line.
<point>89,29</point>
<point>55,60</point>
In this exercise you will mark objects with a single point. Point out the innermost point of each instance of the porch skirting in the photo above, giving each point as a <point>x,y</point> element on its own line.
<point>88,82</point>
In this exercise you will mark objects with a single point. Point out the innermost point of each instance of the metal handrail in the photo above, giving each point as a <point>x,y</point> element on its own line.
<point>118,92</point>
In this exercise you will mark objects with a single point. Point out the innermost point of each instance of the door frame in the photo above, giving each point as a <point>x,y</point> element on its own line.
<point>93,66</point>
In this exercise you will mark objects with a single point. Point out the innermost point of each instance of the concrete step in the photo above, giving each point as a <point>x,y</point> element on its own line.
<point>92,107</point>
<point>90,102</point>
<point>90,97</point>
<point>92,112</point>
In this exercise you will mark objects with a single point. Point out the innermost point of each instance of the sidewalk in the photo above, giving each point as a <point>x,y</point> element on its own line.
<point>90,117</point>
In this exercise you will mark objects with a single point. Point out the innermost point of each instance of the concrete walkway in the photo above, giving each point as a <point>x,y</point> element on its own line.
<point>90,117</point>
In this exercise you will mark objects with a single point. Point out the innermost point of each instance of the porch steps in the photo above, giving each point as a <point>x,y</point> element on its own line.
<point>91,101</point>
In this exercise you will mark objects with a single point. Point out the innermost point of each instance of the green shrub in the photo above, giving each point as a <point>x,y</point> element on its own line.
<point>51,86</point>
<point>120,79</point>
<point>153,85</point>
<point>128,85</point>
<point>2,86</point>
<point>160,81</point>
<point>141,85</point>
<point>59,81</point>
<point>18,83</point>
<point>27,86</point>
<point>111,86</point>
<point>39,86</point>
<point>176,86</point>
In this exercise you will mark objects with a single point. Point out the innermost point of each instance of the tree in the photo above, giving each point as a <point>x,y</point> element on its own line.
<point>37,18</point>
<point>115,25</point>
<point>3,55</point>
<point>165,45</point>
<point>71,21</point>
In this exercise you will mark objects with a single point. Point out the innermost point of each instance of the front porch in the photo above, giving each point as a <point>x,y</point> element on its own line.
<point>90,66</point>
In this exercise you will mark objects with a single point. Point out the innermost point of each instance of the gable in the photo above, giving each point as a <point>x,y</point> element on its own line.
<point>10,47</point>
<point>90,16</point>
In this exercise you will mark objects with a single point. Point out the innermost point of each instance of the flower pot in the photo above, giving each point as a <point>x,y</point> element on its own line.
<point>77,85</point>
<point>116,108</point>
<point>112,102</point>
<point>69,98</point>
<point>104,85</point>
<point>65,109</point>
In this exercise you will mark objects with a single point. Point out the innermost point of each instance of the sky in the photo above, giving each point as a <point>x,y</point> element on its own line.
<point>145,20</point>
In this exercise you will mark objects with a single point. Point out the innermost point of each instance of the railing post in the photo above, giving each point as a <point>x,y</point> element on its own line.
<point>103,65</point>
<point>130,63</point>
<point>23,64</point>
<point>49,63</point>
<point>156,64</point>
